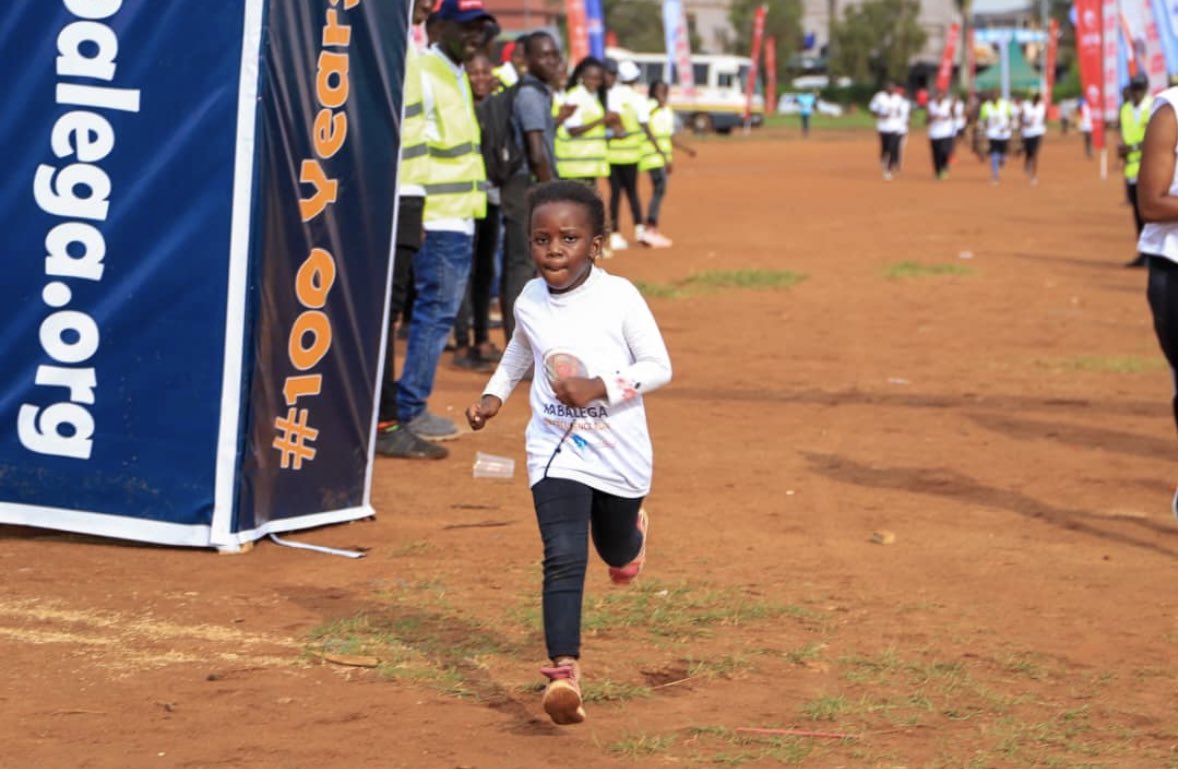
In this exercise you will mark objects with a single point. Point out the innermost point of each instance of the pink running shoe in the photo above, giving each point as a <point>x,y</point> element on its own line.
<point>624,575</point>
<point>562,696</point>
<point>656,239</point>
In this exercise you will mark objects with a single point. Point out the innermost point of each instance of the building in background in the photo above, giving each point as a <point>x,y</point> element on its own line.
<point>516,16</point>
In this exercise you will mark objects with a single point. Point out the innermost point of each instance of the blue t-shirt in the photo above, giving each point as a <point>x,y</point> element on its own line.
<point>532,111</point>
<point>806,103</point>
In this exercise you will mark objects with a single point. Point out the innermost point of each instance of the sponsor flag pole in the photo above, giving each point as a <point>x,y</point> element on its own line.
<point>755,52</point>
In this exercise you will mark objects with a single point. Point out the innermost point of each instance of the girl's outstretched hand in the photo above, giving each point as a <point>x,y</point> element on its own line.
<point>480,411</point>
<point>579,391</point>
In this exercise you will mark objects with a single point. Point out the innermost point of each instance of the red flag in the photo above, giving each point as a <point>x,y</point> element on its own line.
<point>771,74</point>
<point>578,30</point>
<point>751,86</point>
<point>1088,51</point>
<point>946,70</point>
<point>1049,64</point>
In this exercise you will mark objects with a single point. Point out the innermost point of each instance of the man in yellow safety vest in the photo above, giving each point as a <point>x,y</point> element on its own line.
<point>392,438</point>
<point>1134,119</point>
<point>455,196</point>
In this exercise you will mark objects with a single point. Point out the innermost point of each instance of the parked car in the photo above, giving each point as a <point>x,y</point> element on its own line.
<point>787,104</point>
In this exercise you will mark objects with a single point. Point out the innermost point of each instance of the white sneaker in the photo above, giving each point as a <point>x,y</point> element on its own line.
<point>1174,505</point>
<point>656,239</point>
<point>617,242</point>
<point>640,233</point>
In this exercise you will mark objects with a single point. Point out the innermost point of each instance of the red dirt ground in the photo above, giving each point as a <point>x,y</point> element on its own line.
<point>1010,427</point>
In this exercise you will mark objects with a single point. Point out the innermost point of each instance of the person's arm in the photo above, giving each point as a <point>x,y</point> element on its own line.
<point>531,109</point>
<point>651,368</point>
<point>1154,201</point>
<point>538,156</point>
<point>581,129</point>
<point>513,366</point>
<point>680,145</point>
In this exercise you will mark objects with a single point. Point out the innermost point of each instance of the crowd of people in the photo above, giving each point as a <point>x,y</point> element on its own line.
<point>476,138</point>
<point>1000,128</point>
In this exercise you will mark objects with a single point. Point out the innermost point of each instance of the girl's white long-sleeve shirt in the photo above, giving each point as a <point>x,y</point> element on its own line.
<point>603,328</point>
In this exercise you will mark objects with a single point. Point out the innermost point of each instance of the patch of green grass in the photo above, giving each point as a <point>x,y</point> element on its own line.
<point>1108,364</point>
<point>1029,665</point>
<point>827,708</point>
<point>911,269</point>
<point>724,666</point>
<point>715,280</point>
<point>658,290</point>
<point>672,611</point>
<point>804,654</point>
<point>606,690</point>
<point>641,745</point>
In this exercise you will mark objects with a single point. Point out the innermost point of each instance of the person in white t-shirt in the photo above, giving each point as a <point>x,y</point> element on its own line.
<point>1157,204</point>
<point>1033,123</point>
<point>596,351</point>
<point>1085,123</point>
<point>890,110</point>
<point>941,130</point>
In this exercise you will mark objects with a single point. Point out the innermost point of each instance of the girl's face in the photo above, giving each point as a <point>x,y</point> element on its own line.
<point>563,244</point>
<point>482,80</point>
<point>592,78</point>
<point>660,94</point>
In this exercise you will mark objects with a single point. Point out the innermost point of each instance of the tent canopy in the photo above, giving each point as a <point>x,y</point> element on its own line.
<point>1022,76</point>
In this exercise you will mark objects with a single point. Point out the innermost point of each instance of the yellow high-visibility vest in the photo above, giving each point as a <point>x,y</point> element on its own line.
<point>627,148</point>
<point>456,188</point>
<point>414,168</point>
<point>1133,134</point>
<point>583,156</point>
<point>662,125</point>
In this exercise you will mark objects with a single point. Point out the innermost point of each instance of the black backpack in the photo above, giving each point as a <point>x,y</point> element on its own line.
<point>502,154</point>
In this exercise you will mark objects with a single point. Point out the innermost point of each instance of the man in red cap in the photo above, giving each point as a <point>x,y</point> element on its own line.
<point>455,196</point>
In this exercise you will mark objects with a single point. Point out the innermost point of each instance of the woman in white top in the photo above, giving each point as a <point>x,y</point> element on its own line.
<point>1157,203</point>
<point>1033,120</point>
<point>1086,126</point>
<point>941,130</point>
<point>596,351</point>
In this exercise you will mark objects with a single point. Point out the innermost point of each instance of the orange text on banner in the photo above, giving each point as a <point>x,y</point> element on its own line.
<point>311,333</point>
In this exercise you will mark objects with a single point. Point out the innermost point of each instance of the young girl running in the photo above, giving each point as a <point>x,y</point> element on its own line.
<point>597,351</point>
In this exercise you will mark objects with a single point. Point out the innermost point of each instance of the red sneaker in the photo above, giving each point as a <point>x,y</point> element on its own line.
<point>624,575</point>
<point>562,696</point>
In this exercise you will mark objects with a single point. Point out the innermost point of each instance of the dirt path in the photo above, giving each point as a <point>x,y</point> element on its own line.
<point>1004,416</point>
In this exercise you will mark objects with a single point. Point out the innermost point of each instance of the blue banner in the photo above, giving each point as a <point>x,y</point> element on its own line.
<point>672,10</point>
<point>1166,31</point>
<point>595,20</point>
<point>198,211</point>
<point>330,115</point>
<point>117,219</point>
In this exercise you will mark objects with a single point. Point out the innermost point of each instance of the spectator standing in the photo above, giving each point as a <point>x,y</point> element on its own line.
<point>392,438</point>
<point>625,147</point>
<point>806,102</point>
<point>1134,117</point>
<point>534,126</point>
<point>455,198</point>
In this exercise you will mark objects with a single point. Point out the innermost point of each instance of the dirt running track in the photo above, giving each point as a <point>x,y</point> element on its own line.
<point>1004,416</point>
